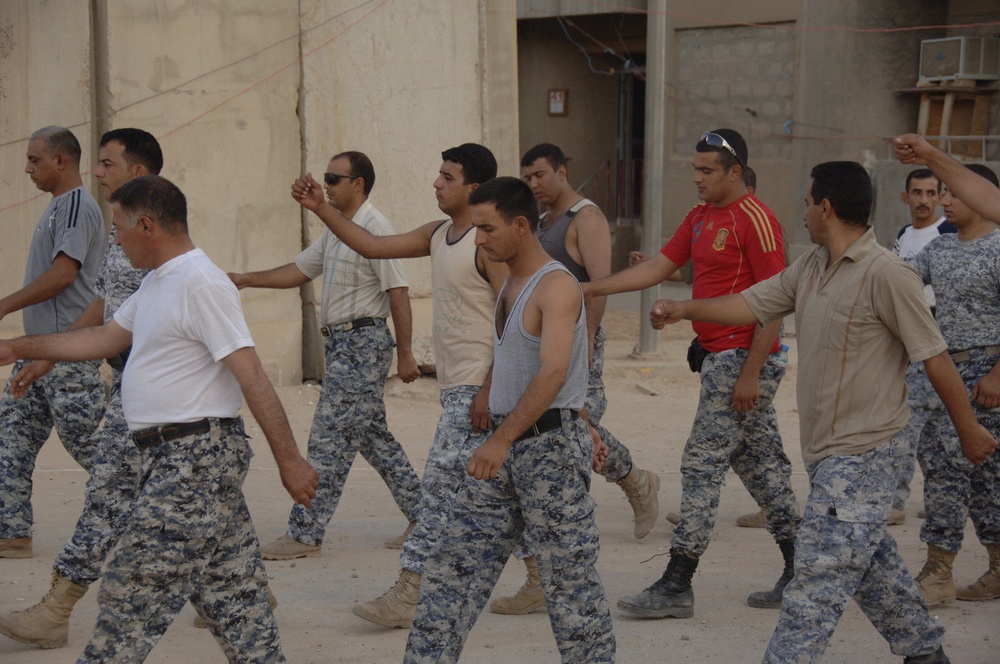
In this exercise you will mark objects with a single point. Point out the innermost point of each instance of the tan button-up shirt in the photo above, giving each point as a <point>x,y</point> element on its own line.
<point>859,322</point>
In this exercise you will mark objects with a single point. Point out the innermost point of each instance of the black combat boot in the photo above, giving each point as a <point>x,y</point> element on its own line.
<point>771,599</point>
<point>670,597</point>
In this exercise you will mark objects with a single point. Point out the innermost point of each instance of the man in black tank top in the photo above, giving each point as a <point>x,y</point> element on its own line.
<point>532,475</point>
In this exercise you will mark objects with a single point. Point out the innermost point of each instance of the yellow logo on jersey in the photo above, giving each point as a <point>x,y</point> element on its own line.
<point>720,240</point>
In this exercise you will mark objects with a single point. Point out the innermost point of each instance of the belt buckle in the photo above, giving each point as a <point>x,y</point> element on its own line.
<point>348,326</point>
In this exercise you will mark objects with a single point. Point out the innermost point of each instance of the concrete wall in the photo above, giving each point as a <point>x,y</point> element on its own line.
<point>239,115</point>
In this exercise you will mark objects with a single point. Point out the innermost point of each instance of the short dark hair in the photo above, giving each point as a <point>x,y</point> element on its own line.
<point>141,147</point>
<point>848,188</point>
<point>548,151</point>
<point>750,179</point>
<point>477,162</point>
<point>59,140</point>
<point>984,171</point>
<point>361,167</point>
<point>510,196</point>
<point>726,158</point>
<point>920,174</point>
<point>157,198</point>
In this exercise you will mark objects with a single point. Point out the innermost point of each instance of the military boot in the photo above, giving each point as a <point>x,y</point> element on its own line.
<point>757,519</point>
<point>988,585</point>
<point>771,599</point>
<point>670,597</point>
<point>45,624</point>
<point>15,547</point>
<point>396,607</point>
<point>936,657</point>
<point>641,488</point>
<point>397,541</point>
<point>935,581</point>
<point>528,598</point>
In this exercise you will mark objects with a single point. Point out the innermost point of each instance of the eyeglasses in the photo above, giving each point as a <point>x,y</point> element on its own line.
<point>333,178</point>
<point>717,141</point>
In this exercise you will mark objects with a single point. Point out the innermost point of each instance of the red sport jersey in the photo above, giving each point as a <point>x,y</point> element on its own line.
<point>732,248</point>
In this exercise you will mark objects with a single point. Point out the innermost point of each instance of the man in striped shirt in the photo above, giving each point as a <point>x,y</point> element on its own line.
<point>734,241</point>
<point>65,256</point>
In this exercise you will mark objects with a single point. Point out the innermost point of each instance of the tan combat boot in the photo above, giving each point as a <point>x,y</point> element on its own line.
<point>988,585</point>
<point>528,598</point>
<point>935,581</point>
<point>45,624</point>
<point>199,622</point>
<point>15,547</point>
<point>755,520</point>
<point>396,607</point>
<point>641,487</point>
<point>397,541</point>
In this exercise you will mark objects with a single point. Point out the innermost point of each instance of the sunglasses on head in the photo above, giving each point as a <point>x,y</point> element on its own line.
<point>333,178</point>
<point>717,141</point>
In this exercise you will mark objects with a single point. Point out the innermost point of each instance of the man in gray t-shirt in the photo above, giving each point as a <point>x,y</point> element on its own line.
<point>65,256</point>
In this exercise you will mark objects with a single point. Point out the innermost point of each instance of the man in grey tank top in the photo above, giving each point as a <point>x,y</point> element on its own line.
<point>532,475</point>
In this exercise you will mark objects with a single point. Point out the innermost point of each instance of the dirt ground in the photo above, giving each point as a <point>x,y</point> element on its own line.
<point>316,594</point>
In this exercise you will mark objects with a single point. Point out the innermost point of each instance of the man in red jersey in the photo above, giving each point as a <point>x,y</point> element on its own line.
<point>734,242</point>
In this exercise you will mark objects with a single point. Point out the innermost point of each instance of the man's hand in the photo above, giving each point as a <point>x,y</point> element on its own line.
<point>911,149</point>
<point>987,391</point>
<point>746,393</point>
<point>239,279</point>
<point>636,257</point>
<point>487,459</point>
<point>479,412</point>
<point>406,366</point>
<point>27,375</point>
<point>300,480</point>
<point>600,450</point>
<point>665,312</point>
<point>978,446</point>
<point>308,192</point>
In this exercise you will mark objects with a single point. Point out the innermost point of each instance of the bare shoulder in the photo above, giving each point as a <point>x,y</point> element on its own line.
<point>590,218</point>
<point>559,288</point>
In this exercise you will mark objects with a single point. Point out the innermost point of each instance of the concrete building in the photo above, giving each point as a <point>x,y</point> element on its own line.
<point>246,94</point>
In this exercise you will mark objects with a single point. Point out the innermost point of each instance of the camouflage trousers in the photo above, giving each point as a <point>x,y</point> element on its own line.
<point>844,550</point>
<point>454,443</point>
<point>109,496</point>
<point>542,489</point>
<point>955,489</point>
<point>619,461</point>
<point>350,418</point>
<point>71,397</point>
<point>922,400</point>
<point>749,441</point>
<point>189,537</point>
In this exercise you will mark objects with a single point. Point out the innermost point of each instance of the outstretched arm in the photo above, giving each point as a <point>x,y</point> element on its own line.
<point>642,275</point>
<point>725,310</point>
<point>297,475</point>
<point>974,190</point>
<point>89,343</point>
<point>416,243</point>
<point>286,276</point>
<point>977,443</point>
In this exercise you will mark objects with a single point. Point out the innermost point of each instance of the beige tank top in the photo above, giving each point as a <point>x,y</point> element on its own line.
<point>463,310</point>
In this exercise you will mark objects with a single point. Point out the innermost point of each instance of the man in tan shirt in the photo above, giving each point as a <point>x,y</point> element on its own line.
<point>861,316</point>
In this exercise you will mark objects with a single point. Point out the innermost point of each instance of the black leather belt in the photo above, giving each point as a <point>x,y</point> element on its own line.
<point>146,438</point>
<point>117,362</point>
<point>328,330</point>
<point>549,420</point>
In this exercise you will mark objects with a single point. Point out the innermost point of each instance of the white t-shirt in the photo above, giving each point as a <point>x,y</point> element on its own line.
<point>911,242</point>
<point>185,318</point>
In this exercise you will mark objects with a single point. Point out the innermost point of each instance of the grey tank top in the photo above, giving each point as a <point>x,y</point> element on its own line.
<point>553,239</point>
<point>516,355</point>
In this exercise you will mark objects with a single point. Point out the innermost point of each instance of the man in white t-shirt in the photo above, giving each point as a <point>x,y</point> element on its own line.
<point>921,196</point>
<point>189,535</point>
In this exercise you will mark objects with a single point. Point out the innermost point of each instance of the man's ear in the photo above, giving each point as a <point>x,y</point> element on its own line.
<point>905,197</point>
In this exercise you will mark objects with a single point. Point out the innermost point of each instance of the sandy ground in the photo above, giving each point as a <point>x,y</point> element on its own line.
<point>316,594</point>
